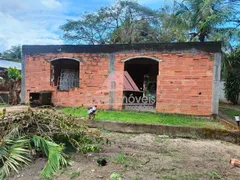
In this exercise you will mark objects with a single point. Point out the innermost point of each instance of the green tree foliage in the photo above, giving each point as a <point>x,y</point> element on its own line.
<point>124,22</point>
<point>13,73</point>
<point>232,73</point>
<point>204,20</point>
<point>13,54</point>
<point>128,22</point>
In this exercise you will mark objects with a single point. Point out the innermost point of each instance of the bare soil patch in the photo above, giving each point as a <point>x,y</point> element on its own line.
<point>146,156</point>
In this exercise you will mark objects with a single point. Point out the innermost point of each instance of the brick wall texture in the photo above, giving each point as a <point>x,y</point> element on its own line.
<point>184,83</point>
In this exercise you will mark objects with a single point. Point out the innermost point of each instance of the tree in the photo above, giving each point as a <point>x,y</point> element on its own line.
<point>231,66</point>
<point>13,54</point>
<point>124,22</point>
<point>129,22</point>
<point>139,31</point>
<point>170,30</point>
<point>203,20</point>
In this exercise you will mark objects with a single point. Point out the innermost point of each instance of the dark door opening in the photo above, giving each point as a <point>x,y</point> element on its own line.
<point>143,72</point>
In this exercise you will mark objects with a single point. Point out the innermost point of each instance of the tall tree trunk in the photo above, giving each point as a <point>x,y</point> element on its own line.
<point>14,91</point>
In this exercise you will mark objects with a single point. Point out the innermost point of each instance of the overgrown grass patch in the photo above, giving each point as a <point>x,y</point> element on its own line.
<point>121,158</point>
<point>146,117</point>
<point>230,112</point>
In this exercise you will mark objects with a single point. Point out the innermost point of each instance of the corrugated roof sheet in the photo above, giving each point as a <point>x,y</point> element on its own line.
<point>6,64</point>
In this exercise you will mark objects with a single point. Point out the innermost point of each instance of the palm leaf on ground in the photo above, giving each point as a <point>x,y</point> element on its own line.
<point>54,153</point>
<point>13,154</point>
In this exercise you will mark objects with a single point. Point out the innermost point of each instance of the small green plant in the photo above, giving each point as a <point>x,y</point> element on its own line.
<point>74,175</point>
<point>214,175</point>
<point>123,159</point>
<point>115,176</point>
<point>13,73</point>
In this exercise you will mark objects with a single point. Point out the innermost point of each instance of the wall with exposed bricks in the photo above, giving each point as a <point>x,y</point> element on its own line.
<point>184,83</point>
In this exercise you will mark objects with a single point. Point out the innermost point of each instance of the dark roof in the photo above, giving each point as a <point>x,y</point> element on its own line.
<point>112,48</point>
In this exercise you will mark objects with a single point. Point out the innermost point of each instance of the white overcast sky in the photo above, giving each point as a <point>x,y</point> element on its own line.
<point>38,21</point>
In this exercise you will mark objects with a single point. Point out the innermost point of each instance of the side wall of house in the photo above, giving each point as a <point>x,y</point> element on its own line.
<point>184,84</point>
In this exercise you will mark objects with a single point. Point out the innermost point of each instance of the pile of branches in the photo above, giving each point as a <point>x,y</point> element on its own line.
<point>26,135</point>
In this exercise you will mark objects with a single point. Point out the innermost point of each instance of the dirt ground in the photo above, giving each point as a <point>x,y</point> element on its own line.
<point>149,157</point>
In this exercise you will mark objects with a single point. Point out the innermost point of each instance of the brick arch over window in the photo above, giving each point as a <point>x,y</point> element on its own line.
<point>142,57</point>
<point>70,58</point>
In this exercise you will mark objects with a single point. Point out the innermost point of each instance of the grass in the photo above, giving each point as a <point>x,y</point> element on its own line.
<point>123,159</point>
<point>146,117</point>
<point>115,176</point>
<point>4,105</point>
<point>231,112</point>
<point>214,175</point>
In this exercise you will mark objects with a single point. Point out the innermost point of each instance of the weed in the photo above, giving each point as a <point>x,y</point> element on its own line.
<point>191,176</point>
<point>123,159</point>
<point>158,140</point>
<point>166,177</point>
<point>214,175</point>
<point>115,176</point>
<point>73,175</point>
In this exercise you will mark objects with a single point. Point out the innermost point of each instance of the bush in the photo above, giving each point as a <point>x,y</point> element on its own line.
<point>232,76</point>
<point>13,73</point>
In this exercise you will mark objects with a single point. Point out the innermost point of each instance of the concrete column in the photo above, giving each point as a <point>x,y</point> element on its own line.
<point>23,80</point>
<point>216,82</point>
<point>110,71</point>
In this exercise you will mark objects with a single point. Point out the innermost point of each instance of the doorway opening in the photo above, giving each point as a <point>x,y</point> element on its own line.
<point>143,72</point>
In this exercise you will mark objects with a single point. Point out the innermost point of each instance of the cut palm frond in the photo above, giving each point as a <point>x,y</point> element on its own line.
<point>54,153</point>
<point>14,153</point>
<point>37,132</point>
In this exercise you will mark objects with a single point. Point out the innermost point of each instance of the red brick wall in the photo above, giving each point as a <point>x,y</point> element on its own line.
<point>93,72</point>
<point>184,82</point>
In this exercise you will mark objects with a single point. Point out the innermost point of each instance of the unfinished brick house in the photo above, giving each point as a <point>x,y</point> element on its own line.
<point>180,77</point>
